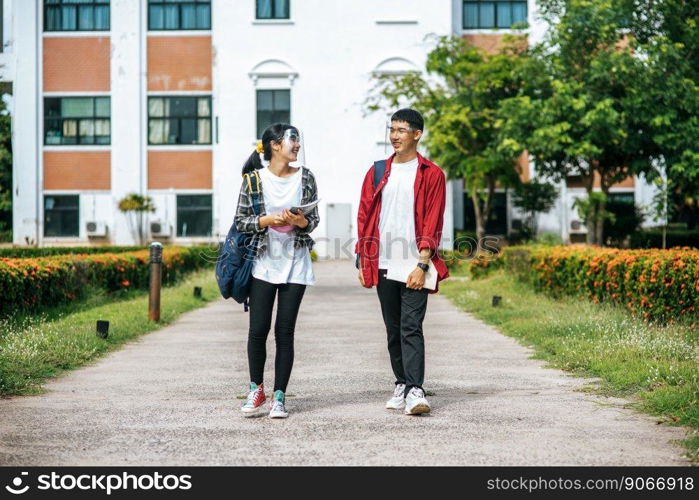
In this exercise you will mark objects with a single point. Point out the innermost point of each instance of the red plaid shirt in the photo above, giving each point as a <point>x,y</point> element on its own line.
<point>430,201</point>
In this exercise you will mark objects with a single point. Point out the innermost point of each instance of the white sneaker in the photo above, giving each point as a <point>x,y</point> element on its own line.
<point>277,409</point>
<point>415,402</point>
<point>397,402</point>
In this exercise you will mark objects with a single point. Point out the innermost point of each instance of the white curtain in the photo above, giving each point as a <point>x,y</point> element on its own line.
<point>70,128</point>
<point>203,125</point>
<point>87,128</point>
<point>102,127</point>
<point>158,129</point>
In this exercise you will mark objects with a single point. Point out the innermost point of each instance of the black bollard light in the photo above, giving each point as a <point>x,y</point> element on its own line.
<point>197,292</point>
<point>102,328</point>
<point>496,300</point>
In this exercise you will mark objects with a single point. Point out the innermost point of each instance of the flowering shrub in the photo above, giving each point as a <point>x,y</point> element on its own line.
<point>31,283</point>
<point>483,264</point>
<point>658,284</point>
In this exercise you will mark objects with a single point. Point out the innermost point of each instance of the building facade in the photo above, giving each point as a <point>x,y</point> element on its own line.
<point>166,98</point>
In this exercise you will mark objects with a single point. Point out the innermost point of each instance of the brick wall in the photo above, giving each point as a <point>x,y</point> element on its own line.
<point>179,63</point>
<point>77,170</point>
<point>179,169</point>
<point>75,64</point>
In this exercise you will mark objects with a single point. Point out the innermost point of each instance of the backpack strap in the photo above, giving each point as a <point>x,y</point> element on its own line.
<point>379,169</point>
<point>254,189</point>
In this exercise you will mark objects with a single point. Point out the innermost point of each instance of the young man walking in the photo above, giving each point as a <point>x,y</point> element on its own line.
<point>399,228</point>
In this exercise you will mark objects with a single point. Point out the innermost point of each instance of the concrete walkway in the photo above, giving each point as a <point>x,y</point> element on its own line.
<point>170,399</point>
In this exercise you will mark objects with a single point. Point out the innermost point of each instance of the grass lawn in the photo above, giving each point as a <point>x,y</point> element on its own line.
<point>655,366</point>
<point>33,348</point>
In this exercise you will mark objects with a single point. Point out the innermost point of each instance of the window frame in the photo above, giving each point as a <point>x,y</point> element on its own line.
<point>210,208</point>
<point>76,209</point>
<point>273,16</point>
<point>63,3</point>
<point>180,118</point>
<point>93,117</point>
<point>258,131</point>
<point>495,26</point>
<point>179,4</point>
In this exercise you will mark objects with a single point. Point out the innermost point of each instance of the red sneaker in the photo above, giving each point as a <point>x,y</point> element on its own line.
<point>256,398</point>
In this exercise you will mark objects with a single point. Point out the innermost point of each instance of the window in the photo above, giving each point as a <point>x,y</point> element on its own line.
<point>179,120</point>
<point>273,106</point>
<point>76,120</point>
<point>179,15</point>
<point>493,13</point>
<point>621,198</point>
<point>496,223</point>
<point>76,15</point>
<point>272,9</point>
<point>61,215</point>
<point>194,215</point>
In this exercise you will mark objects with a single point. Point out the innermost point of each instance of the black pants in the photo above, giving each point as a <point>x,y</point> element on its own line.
<point>403,311</point>
<point>262,295</point>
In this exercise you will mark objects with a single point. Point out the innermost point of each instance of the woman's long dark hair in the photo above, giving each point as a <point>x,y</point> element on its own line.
<point>274,132</point>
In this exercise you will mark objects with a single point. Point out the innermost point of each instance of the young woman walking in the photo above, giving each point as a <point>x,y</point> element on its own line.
<point>282,267</point>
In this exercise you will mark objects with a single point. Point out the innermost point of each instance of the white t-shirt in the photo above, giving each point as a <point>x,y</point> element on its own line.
<point>398,247</point>
<point>281,262</point>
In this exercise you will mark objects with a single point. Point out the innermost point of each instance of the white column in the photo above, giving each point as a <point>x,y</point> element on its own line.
<point>128,25</point>
<point>26,124</point>
<point>232,143</point>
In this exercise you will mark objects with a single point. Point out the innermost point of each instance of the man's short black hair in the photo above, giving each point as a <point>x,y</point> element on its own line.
<point>411,116</point>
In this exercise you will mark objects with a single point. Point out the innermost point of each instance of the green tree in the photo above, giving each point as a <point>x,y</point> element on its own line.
<point>460,98</point>
<point>666,34</point>
<point>5,173</point>
<point>577,117</point>
<point>136,207</point>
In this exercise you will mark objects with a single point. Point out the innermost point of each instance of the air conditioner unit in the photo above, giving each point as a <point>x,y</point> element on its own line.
<point>160,228</point>
<point>577,227</point>
<point>96,228</point>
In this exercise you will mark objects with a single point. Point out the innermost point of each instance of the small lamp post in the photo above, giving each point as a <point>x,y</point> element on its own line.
<point>156,265</point>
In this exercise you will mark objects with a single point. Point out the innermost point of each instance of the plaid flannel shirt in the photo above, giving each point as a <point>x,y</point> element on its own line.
<point>247,222</point>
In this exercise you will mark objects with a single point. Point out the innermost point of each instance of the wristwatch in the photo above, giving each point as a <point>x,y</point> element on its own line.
<point>422,266</point>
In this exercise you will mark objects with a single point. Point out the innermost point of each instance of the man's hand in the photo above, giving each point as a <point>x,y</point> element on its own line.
<point>296,220</point>
<point>416,279</point>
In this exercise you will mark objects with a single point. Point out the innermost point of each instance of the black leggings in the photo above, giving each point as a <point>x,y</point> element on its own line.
<point>261,300</point>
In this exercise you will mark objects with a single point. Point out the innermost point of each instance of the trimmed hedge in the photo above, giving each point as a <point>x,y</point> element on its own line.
<point>483,264</point>
<point>657,284</point>
<point>653,238</point>
<point>28,252</point>
<point>30,284</point>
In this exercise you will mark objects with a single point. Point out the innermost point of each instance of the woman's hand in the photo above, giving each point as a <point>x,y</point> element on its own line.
<point>275,220</point>
<point>296,220</point>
